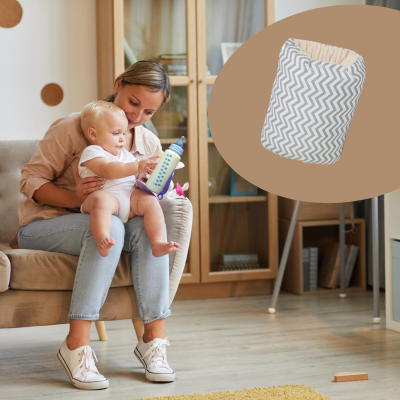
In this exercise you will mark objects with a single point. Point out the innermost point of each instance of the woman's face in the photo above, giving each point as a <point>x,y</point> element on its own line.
<point>138,102</point>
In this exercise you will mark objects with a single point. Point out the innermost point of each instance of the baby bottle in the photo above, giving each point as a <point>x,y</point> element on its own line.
<point>165,166</point>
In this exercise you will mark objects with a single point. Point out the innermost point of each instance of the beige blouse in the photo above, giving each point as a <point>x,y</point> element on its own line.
<point>56,161</point>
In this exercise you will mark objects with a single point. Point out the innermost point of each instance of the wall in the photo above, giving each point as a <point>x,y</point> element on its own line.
<point>286,8</point>
<point>55,42</point>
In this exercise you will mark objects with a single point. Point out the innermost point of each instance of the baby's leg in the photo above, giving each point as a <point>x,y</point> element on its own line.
<point>101,206</point>
<point>146,205</point>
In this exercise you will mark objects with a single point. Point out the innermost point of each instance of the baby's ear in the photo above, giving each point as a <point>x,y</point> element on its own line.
<point>92,134</point>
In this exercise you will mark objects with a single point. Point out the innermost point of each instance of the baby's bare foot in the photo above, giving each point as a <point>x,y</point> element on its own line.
<point>160,249</point>
<point>104,246</point>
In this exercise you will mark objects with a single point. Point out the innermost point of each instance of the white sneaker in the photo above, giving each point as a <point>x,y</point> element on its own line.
<point>153,356</point>
<point>81,368</point>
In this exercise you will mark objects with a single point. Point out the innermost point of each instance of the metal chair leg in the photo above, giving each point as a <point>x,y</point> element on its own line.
<point>285,254</point>
<point>342,240</point>
<point>375,258</point>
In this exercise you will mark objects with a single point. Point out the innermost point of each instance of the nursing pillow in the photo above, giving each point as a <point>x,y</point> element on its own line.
<point>313,99</point>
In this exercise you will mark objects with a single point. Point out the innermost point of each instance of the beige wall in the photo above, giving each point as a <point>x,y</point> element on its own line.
<point>286,8</point>
<point>55,42</point>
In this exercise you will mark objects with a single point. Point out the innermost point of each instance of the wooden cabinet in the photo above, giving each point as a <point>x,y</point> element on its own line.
<point>392,264</point>
<point>229,224</point>
<point>188,36</point>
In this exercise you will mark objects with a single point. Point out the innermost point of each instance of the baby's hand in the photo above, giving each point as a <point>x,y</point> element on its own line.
<point>148,165</point>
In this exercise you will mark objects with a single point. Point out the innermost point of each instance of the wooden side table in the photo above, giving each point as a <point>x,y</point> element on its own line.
<point>375,256</point>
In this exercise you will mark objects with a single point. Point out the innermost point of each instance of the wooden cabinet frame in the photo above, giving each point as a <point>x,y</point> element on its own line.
<point>110,55</point>
<point>110,63</point>
<point>203,81</point>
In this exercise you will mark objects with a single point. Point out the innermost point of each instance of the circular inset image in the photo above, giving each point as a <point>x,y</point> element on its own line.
<point>307,108</point>
<point>52,94</point>
<point>10,13</point>
<point>314,96</point>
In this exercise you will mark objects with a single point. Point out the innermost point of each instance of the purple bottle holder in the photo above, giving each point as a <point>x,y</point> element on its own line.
<point>159,196</point>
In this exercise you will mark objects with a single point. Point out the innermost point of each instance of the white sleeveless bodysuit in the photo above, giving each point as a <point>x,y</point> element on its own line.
<point>120,188</point>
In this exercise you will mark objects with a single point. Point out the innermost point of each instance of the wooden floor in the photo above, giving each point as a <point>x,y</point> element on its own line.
<point>223,344</point>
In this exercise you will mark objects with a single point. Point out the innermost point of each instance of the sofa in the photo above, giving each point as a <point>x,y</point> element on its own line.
<point>36,286</point>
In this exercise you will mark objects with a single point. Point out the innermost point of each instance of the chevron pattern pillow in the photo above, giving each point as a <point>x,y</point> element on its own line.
<point>314,96</point>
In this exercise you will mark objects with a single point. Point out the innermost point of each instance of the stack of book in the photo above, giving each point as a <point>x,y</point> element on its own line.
<point>238,262</point>
<point>329,276</point>
<point>175,64</point>
<point>310,268</point>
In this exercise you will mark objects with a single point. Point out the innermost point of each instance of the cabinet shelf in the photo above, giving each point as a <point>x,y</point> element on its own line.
<point>251,274</point>
<point>236,199</point>
<point>395,236</point>
<point>170,140</point>
<point>179,80</point>
<point>350,289</point>
<point>319,233</point>
<point>210,80</point>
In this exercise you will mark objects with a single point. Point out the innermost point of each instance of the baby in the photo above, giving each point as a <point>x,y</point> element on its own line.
<point>104,125</point>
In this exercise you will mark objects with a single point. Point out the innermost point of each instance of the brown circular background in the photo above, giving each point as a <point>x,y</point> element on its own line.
<point>10,13</point>
<point>52,94</point>
<point>370,163</point>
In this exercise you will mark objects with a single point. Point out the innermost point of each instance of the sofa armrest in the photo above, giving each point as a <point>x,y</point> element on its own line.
<point>5,272</point>
<point>178,214</point>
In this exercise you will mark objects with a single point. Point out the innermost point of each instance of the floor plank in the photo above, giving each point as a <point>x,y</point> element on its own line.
<point>223,344</point>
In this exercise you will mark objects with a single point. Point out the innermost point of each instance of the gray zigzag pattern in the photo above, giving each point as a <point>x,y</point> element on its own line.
<point>311,107</point>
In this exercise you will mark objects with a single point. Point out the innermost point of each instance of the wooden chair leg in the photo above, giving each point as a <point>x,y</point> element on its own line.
<point>139,327</point>
<point>101,330</point>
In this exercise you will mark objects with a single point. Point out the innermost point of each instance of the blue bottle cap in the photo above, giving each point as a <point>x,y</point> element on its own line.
<point>178,146</point>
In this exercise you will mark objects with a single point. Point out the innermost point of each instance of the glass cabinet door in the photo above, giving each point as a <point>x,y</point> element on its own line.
<point>236,224</point>
<point>156,30</point>
<point>160,30</point>
<point>229,23</point>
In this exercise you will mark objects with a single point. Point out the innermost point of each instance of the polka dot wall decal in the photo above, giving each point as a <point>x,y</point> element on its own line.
<point>52,94</point>
<point>10,13</point>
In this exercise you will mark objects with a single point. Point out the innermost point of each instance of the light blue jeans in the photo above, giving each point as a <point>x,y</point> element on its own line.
<point>71,234</point>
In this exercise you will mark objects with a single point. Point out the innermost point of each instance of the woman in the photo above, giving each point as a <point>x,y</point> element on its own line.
<point>50,220</point>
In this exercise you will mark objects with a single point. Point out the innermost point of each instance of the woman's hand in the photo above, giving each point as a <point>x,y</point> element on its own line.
<point>148,165</point>
<point>86,186</point>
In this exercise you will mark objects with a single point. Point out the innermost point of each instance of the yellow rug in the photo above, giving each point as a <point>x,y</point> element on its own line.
<point>287,392</point>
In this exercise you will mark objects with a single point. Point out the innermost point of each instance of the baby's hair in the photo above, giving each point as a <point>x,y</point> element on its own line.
<point>93,111</point>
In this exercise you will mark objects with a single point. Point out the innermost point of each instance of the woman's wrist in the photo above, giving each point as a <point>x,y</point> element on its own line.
<point>74,201</point>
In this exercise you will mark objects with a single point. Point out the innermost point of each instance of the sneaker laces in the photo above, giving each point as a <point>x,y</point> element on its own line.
<point>158,353</point>
<point>87,362</point>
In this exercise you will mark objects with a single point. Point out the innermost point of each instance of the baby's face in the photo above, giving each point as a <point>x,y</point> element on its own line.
<point>110,132</point>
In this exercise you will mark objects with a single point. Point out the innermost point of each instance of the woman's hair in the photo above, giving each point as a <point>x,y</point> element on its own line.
<point>93,111</point>
<point>147,73</point>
